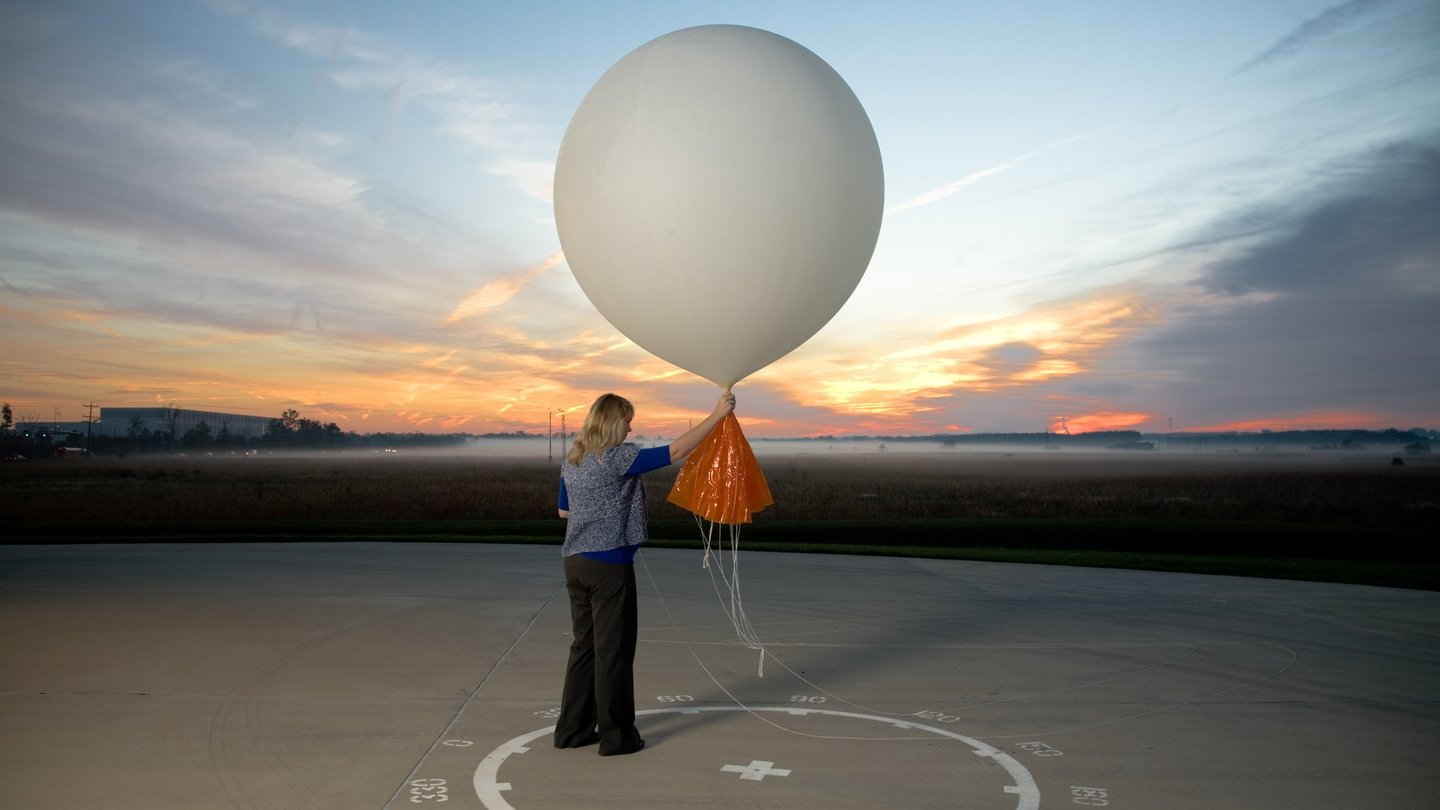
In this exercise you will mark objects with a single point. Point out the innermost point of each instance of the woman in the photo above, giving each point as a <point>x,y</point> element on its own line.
<point>603,498</point>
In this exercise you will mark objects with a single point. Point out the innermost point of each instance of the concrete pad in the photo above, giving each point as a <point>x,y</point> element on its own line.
<point>400,675</point>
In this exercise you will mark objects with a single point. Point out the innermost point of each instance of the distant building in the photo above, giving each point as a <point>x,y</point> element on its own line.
<point>121,422</point>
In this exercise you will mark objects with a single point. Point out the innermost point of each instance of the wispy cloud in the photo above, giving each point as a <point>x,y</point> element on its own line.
<point>74,163</point>
<point>315,39</point>
<point>394,103</point>
<point>1327,22</point>
<point>322,75</point>
<point>475,110</point>
<point>534,177</point>
<point>499,292</point>
<point>937,194</point>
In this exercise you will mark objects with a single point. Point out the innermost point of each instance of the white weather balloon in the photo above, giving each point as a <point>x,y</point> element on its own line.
<point>718,196</point>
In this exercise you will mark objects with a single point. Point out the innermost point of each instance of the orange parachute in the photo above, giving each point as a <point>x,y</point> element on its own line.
<point>721,481</point>
<point>722,484</point>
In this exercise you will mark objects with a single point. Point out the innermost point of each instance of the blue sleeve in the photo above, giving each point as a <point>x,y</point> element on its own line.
<point>563,502</point>
<point>651,458</point>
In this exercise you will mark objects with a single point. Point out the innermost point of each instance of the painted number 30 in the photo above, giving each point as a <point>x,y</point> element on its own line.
<point>429,790</point>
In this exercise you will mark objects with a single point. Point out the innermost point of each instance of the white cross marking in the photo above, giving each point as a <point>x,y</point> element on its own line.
<point>756,770</point>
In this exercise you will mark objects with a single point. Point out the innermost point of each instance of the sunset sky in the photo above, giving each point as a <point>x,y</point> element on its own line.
<point>1120,214</point>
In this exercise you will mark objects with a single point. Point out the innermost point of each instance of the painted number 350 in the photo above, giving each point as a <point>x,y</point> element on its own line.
<point>429,790</point>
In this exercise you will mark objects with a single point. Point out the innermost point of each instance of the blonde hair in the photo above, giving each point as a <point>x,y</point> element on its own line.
<point>604,427</point>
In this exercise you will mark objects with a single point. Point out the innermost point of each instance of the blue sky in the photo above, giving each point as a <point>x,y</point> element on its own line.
<point>1118,214</point>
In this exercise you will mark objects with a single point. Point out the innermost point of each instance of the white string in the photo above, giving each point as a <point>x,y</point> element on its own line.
<point>744,630</point>
<point>733,699</point>
<point>747,635</point>
<point>1187,650</point>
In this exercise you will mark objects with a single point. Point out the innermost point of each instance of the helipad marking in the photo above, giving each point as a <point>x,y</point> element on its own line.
<point>756,771</point>
<point>488,788</point>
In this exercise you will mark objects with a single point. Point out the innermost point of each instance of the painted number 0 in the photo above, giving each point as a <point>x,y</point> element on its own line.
<point>429,790</point>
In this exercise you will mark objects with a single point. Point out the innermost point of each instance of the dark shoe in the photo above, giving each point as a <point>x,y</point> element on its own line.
<point>626,750</point>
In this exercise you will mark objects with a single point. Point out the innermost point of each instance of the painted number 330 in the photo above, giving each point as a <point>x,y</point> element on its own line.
<point>1090,797</point>
<point>429,790</point>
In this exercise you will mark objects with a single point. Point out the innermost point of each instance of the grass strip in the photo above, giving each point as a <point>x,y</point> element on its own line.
<point>1342,554</point>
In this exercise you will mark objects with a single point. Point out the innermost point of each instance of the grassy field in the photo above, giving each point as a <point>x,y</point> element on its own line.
<point>1351,518</point>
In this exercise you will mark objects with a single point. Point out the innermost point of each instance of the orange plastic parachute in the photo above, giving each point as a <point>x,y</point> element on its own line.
<point>721,480</point>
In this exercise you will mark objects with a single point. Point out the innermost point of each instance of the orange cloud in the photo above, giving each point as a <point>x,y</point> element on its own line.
<point>1051,342</point>
<point>1321,420</point>
<point>1104,420</point>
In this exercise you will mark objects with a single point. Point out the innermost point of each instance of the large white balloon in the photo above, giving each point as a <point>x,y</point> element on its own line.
<point>718,196</point>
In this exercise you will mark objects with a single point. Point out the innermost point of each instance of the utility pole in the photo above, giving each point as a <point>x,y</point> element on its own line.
<point>89,423</point>
<point>551,433</point>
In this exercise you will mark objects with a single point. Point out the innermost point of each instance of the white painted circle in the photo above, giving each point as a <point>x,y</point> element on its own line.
<point>490,789</point>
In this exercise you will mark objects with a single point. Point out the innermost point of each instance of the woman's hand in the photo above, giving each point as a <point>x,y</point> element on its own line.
<point>681,447</point>
<point>724,406</point>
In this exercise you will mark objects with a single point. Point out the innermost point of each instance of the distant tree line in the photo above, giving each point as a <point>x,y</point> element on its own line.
<point>1314,439</point>
<point>1311,439</point>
